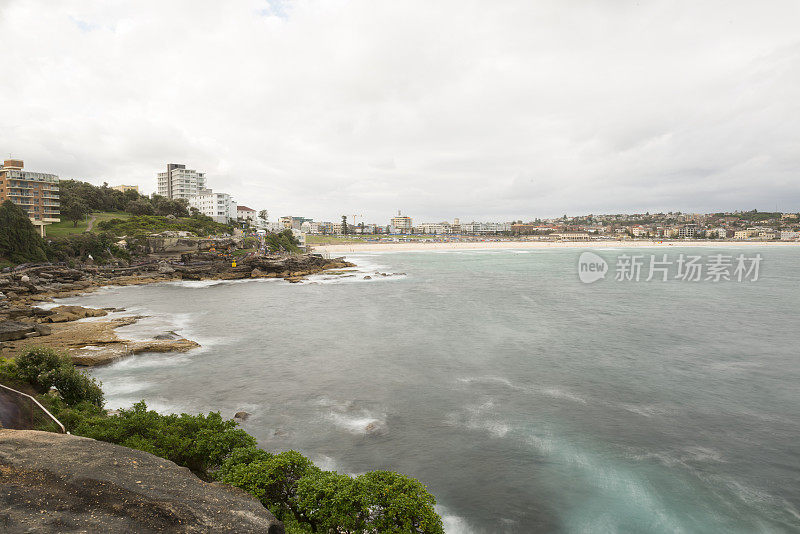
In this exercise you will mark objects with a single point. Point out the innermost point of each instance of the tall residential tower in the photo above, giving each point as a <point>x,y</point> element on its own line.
<point>180,182</point>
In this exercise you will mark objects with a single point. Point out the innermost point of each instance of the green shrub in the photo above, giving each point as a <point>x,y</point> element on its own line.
<point>296,491</point>
<point>102,247</point>
<point>199,442</point>
<point>397,503</point>
<point>44,368</point>
<point>283,241</point>
<point>143,225</point>
<point>9,373</point>
<point>19,240</point>
<point>37,364</point>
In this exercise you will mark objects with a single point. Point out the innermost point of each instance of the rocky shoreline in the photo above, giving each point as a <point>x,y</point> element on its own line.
<point>23,322</point>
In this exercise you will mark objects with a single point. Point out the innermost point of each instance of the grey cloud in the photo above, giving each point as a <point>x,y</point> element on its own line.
<point>500,110</point>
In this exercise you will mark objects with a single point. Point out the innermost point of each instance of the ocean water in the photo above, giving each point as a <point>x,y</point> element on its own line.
<point>526,400</point>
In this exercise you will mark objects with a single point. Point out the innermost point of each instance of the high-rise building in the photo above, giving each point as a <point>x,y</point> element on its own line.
<point>34,192</point>
<point>180,182</point>
<point>402,223</point>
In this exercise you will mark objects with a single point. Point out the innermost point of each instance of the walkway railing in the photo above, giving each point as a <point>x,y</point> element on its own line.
<point>22,412</point>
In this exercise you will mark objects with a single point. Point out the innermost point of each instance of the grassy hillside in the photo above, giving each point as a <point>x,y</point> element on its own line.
<point>66,227</point>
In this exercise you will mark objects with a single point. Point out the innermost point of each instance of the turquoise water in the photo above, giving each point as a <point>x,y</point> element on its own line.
<point>526,400</point>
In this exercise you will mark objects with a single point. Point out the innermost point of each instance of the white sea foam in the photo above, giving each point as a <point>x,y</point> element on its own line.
<point>363,423</point>
<point>122,386</point>
<point>563,394</point>
<point>452,524</point>
<point>148,360</point>
<point>555,392</point>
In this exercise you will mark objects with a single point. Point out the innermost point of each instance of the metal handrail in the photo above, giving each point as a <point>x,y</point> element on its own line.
<point>38,404</point>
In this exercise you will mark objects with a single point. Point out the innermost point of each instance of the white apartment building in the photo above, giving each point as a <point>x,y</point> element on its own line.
<point>180,182</point>
<point>485,228</point>
<point>789,235</point>
<point>719,233</point>
<point>219,206</point>
<point>434,228</point>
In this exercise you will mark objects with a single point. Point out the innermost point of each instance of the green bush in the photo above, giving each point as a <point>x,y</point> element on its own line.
<point>19,240</point>
<point>150,224</point>
<point>199,442</point>
<point>296,491</point>
<point>101,246</point>
<point>283,241</point>
<point>45,368</point>
<point>272,479</point>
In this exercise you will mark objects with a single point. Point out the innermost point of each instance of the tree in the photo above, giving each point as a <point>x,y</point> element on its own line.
<point>19,240</point>
<point>75,210</point>
<point>344,224</point>
<point>263,215</point>
<point>139,207</point>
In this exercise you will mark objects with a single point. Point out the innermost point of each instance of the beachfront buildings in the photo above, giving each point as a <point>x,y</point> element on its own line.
<point>401,224</point>
<point>180,182</point>
<point>219,206</point>
<point>35,192</point>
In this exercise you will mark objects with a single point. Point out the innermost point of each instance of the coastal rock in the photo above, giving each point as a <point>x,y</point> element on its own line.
<point>164,268</point>
<point>241,416</point>
<point>13,330</point>
<point>368,277</point>
<point>43,329</point>
<point>256,273</point>
<point>63,314</point>
<point>60,483</point>
<point>91,355</point>
<point>168,335</point>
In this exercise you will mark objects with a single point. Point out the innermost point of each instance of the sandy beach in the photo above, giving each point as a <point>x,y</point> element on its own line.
<point>484,245</point>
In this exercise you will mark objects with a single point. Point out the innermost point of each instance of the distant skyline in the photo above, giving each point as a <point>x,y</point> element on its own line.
<point>482,111</point>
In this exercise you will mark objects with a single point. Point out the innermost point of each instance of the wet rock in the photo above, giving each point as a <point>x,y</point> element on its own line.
<point>168,335</point>
<point>241,416</point>
<point>368,277</point>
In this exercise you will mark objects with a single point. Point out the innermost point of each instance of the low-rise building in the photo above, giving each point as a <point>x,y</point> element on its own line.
<point>687,231</point>
<point>219,206</point>
<point>35,192</point>
<point>125,188</point>
<point>745,234</point>
<point>434,228</point>
<point>245,214</point>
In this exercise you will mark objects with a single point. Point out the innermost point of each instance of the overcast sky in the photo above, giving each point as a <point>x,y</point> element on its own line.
<point>499,110</point>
